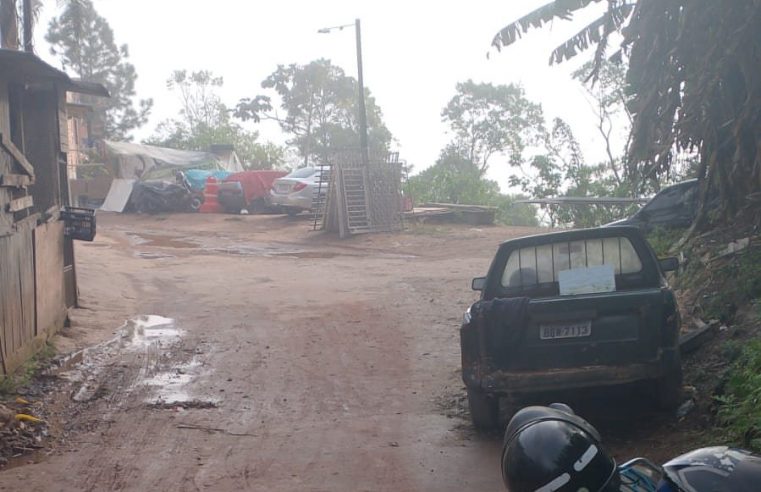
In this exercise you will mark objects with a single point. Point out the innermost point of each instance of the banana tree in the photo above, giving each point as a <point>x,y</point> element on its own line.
<point>694,84</point>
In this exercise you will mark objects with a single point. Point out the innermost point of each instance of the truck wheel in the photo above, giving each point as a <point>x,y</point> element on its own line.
<point>484,410</point>
<point>669,388</point>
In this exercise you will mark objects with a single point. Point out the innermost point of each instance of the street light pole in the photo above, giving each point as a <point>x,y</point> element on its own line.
<point>362,110</point>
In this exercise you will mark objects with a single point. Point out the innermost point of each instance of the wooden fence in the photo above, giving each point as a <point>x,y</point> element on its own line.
<point>32,305</point>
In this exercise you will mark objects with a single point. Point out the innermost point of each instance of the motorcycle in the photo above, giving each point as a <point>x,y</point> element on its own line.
<point>163,196</point>
<point>714,469</point>
<point>551,449</point>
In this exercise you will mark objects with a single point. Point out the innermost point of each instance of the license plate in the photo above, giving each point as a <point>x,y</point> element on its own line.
<point>283,188</point>
<point>565,330</point>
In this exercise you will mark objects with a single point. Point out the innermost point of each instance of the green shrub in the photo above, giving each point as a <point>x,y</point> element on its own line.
<point>735,284</point>
<point>740,405</point>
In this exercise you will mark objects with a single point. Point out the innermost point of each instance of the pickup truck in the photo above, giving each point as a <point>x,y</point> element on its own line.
<point>568,310</point>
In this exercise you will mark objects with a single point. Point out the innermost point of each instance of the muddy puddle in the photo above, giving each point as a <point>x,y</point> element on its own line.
<point>147,349</point>
<point>152,256</point>
<point>248,249</point>
<point>160,241</point>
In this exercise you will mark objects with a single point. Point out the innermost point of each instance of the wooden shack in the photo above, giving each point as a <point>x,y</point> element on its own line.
<point>37,271</point>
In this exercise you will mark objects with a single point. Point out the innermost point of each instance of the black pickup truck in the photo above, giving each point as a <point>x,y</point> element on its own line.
<point>570,310</point>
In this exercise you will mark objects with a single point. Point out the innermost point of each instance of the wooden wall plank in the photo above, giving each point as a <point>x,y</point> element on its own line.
<point>48,253</point>
<point>10,147</point>
<point>20,204</point>
<point>18,337</point>
<point>6,219</point>
<point>15,180</point>
<point>28,284</point>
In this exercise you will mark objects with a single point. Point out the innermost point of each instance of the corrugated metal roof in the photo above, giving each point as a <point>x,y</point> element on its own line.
<point>30,68</point>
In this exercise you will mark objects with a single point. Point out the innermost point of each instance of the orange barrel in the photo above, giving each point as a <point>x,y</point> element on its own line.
<point>210,203</point>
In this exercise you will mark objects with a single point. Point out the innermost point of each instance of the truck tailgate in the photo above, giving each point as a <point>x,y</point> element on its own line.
<point>581,330</point>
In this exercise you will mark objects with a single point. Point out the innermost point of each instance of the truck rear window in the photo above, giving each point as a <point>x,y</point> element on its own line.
<point>542,264</point>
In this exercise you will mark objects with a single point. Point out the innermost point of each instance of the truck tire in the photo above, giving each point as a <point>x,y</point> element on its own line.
<point>484,410</point>
<point>668,389</point>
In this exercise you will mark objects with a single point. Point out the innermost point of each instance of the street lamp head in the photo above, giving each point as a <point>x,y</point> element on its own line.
<point>326,30</point>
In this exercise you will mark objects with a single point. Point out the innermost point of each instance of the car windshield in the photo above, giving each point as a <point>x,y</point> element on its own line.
<point>542,264</point>
<point>304,172</point>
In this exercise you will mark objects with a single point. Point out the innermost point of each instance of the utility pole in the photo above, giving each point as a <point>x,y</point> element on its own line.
<point>362,111</point>
<point>28,26</point>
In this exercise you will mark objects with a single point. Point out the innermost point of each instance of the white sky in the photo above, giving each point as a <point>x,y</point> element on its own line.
<point>413,52</point>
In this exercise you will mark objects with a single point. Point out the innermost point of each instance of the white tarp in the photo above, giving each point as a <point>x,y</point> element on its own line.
<point>118,195</point>
<point>136,161</point>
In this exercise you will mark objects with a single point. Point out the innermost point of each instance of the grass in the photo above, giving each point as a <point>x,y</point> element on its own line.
<point>739,409</point>
<point>10,384</point>
<point>736,284</point>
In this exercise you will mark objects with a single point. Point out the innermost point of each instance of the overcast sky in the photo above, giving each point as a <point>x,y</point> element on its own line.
<point>414,54</point>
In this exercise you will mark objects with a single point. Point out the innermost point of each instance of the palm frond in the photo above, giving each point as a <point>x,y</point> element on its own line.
<point>561,9</point>
<point>595,33</point>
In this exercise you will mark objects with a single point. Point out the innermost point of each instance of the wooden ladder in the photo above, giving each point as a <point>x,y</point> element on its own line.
<point>320,197</point>
<point>355,199</point>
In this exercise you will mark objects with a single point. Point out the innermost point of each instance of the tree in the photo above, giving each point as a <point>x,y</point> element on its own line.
<point>8,25</point>
<point>456,179</point>
<point>319,110</point>
<point>559,170</point>
<point>608,99</point>
<point>488,120</point>
<point>85,43</point>
<point>204,120</point>
<point>693,84</point>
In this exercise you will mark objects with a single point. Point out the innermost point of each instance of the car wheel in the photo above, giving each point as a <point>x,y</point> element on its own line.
<point>484,410</point>
<point>195,203</point>
<point>292,212</point>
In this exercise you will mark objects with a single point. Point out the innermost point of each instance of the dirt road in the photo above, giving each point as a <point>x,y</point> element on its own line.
<point>291,360</point>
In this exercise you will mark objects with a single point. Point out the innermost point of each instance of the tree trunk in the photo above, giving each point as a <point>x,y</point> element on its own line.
<point>28,26</point>
<point>8,25</point>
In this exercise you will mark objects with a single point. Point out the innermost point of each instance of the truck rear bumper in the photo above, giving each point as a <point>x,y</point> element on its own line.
<point>561,379</point>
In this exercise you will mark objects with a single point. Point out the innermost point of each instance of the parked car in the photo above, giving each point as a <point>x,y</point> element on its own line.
<point>568,310</point>
<point>672,207</point>
<point>247,190</point>
<point>295,192</point>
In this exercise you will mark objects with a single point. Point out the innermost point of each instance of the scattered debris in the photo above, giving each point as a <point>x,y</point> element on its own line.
<point>691,340</point>
<point>23,417</point>
<point>20,432</point>
<point>685,408</point>
<point>185,405</point>
<point>450,212</point>
<point>6,417</point>
<point>212,430</point>
<point>736,246</point>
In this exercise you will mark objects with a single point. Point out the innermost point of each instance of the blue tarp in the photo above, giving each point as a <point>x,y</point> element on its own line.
<point>197,177</point>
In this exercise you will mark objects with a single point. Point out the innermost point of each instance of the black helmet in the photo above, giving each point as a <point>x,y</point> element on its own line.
<point>549,449</point>
<point>718,469</point>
